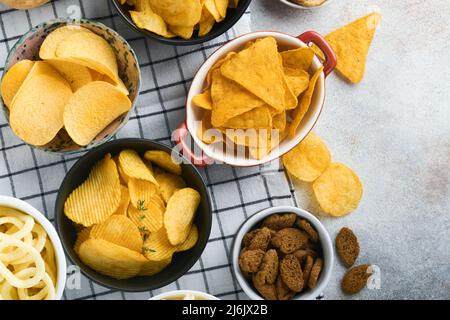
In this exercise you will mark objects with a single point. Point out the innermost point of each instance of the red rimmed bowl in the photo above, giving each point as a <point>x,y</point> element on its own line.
<point>202,154</point>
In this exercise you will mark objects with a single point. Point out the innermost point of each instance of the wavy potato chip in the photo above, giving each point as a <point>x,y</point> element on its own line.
<point>90,50</point>
<point>152,22</point>
<point>309,159</point>
<point>149,217</point>
<point>303,104</point>
<point>141,191</point>
<point>134,167</point>
<point>119,230</point>
<point>169,184</point>
<point>54,38</point>
<point>266,81</point>
<point>230,99</point>
<point>180,212</point>
<point>163,160</point>
<point>142,6</point>
<point>181,31</point>
<point>157,246</point>
<point>75,74</point>
<point>110,259</point>
<point>98,197</point>
<point>338,190</point>
<point>91,109</point>
<point>178,12</point>
<point>222,6</point>
<point>124,201</point>
<point>211,6</point>
<point>14,78</point>
<point>82,236</point>
<point>152,267</point>
<point>37,108</point>
<point>207,22</point>
<point>190,241</point>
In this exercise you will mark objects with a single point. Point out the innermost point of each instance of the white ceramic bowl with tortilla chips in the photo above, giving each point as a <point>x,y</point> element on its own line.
<point>28,46</point>
<point>202,154</point>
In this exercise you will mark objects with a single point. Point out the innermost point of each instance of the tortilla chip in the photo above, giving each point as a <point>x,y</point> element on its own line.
<point>257,118</point>
<point>303,105</point>
<point>266,79</point>
<point>203,100</point>
<point>300,58</point>
<point>206,132</point>
<point>351,45</point>
<point>230,99</point>
<point>297,79</point>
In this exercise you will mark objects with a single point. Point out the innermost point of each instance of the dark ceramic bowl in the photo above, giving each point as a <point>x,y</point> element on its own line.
<point>233,16</point>
<point>181,261</point>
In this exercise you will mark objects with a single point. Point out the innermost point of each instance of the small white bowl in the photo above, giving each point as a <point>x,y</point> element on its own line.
<point>51,232</point>
<point>324,238</point>
<point>182,293</point>
<point>298,6</point>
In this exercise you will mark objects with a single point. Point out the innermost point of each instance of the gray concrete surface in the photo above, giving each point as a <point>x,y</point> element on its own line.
<point>394,130</point>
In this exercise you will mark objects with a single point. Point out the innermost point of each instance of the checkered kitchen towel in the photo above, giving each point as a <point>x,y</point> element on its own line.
<point>167,71</point>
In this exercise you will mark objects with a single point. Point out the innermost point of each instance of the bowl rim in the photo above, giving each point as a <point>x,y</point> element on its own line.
<point>325,240</point>
<point>71,21</point>
<point>104,149</point>
<point>202,73</point>
<point>40,218</point>
<point>186,42</point>
<point>300,7</point>
<point>172,293</point>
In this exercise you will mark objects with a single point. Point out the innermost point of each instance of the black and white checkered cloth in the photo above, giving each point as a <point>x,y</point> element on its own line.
<point>167,71</point>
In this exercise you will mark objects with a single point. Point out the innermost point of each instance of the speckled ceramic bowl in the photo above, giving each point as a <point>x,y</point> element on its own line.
<point>27,47</point>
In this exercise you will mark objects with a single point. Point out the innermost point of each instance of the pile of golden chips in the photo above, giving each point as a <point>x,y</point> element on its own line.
<point>336,187</point>
<point>133,214</point>
<point>76,86</point>
<point>258,89</point>
<point>172,18</point>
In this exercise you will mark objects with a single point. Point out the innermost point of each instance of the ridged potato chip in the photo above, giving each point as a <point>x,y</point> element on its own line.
<point>14,78</point>
<point>54,38</point>
<point>124,201</point>
<point>82,236</point>
<point>134,167</point>
<point>163,160</point>
<point>91,109</point>
<point>110,259</point>
<point>338,190</point>
<point>157,246</point>
<point>141,191</point>
<point>303,104</point>
<point>90,50</point>
<point>309,159</point>
<point>98,197</point>
<point>180,212</point>
<point>266,81</point>
<point>191,240</point>
<point>152,267</point>
<point>119,230</point>
<point>75,74</point>
<point>37,108</point>
<point>148,217</point>
<point>169,184</point>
